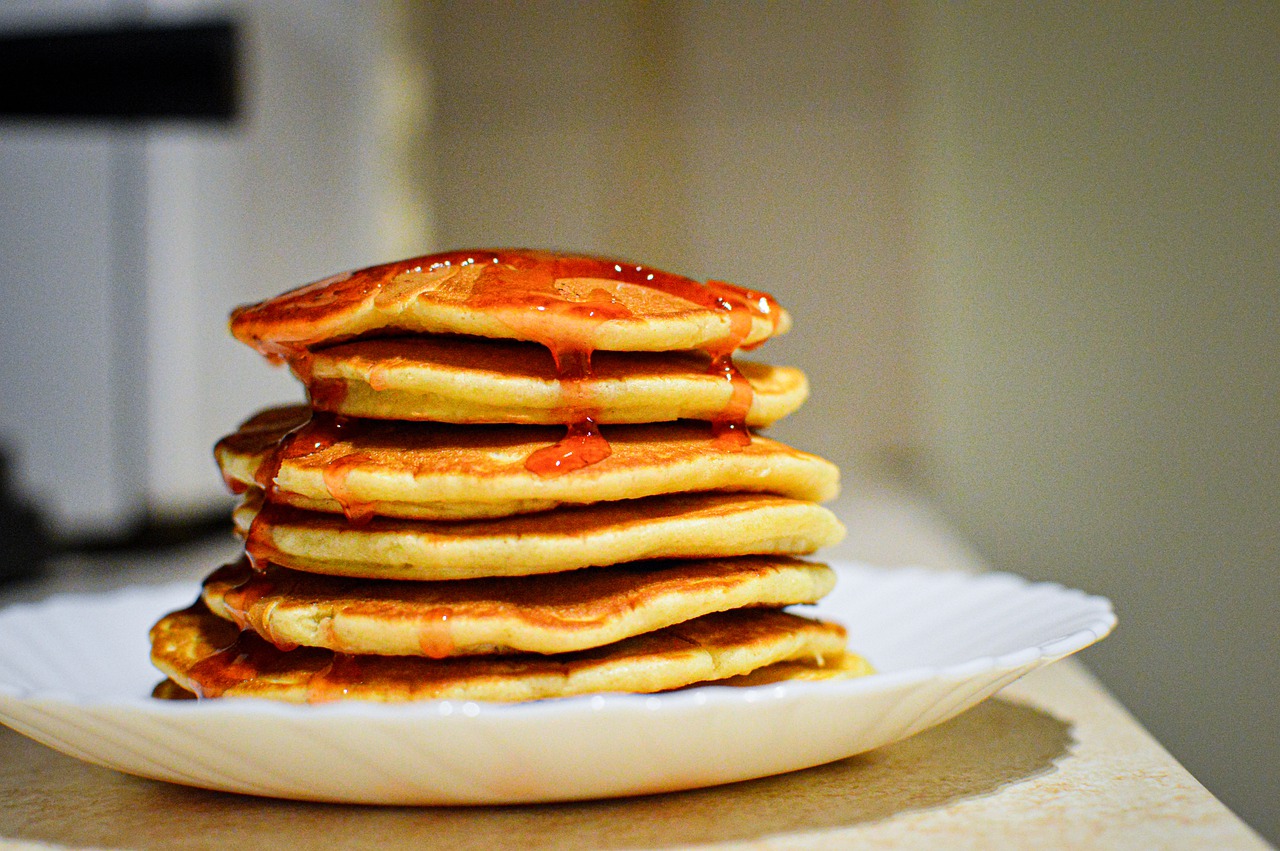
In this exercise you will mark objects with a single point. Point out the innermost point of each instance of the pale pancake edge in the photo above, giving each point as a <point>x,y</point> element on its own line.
<point>474,380</point>
<point>540,614</point>
<point>699,525</point>
<point>433,471</point>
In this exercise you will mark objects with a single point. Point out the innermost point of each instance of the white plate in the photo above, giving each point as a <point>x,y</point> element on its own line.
<point>74,674</point>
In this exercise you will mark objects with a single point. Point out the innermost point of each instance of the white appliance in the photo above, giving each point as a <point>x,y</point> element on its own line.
<point>125,243</point>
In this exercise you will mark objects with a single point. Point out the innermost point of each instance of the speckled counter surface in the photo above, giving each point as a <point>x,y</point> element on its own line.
<point>1051,762</point>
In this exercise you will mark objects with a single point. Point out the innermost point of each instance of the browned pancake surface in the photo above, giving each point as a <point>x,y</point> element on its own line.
<point>554,299</point>
<point>446,378</point>
<point>694,525</point>
<point>540,614</point>
<point>435,471</point>
<point>211,657</point>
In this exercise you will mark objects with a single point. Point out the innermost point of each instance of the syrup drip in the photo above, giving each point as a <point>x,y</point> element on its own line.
<point>321,431</point>
<point>244,596</point>
<point>242,660</point>
<point>329,632</point>
<point>581,446</point>
<point>258,549</point>
<point>236,486</point>
<point>335,480</point>
<point>378,376</point>
<point>241,601</point>
<point>318,433</point>
<point>757,304</point>
<point>278,642</point>
<point>335,680</point>
<point>730,425</point>
<point>530,292</point>
<point>327,394</point>
<point>435,636</point>
<point>532,304</point>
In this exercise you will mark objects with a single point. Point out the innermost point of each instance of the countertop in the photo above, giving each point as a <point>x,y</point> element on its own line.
<point>1052,761</point>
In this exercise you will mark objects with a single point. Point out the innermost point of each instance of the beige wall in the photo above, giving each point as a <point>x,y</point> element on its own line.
<point>1099,200</point>
<point>751,144</point>
<point>1032,256</point>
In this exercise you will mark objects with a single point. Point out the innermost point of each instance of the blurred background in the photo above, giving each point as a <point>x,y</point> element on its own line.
<point>1032,252</point>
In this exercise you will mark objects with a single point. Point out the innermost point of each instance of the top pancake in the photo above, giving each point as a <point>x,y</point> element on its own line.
<point>566,302</point>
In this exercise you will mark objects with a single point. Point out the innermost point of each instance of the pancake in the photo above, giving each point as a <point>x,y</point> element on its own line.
<point>474,380</point>
<point>845,666</point>
<point>559,613</point>
<point>566,302</point>
<point>449,472</point>
<point>167,689</point>
<point>209,656</point>
<point>701,525</point>
<point>520,475</point>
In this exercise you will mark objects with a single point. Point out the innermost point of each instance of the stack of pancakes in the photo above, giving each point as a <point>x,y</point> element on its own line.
<point>521,475</point>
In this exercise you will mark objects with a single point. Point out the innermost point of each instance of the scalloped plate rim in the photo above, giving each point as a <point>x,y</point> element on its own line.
<point>1044,652</point>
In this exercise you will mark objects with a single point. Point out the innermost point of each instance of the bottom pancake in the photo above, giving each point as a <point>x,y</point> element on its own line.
<point>211,657</point>
<point>845,666</point>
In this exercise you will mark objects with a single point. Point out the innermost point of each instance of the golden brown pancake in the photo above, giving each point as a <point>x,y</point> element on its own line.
<point>482,425</point>
<point>845,666</point>
<point>209,656</point>
<point>535,614</point>
<point>475,380</point>
<point>696,525</point>
<point>438,472</point>
<point>570,302</point>
<point>167,689</point>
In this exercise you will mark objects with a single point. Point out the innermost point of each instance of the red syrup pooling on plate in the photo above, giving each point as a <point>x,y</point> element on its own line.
<point>526,290</point>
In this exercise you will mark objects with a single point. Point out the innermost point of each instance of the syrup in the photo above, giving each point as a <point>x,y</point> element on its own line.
<point>730,425</point>
<point>436,637</point>
<point>244,596</point>
<point>258,549</point>
<point>315,434</point>
<point>530,292</point>
<point>242,660</point>
<point>319,432</point>
<point>241,600</point>
<point>335,474</point>
<point>378,376</point>
<point>327,394</point>
<point>581,446</point>
<point>335,680</point>
<point>234,485</point>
